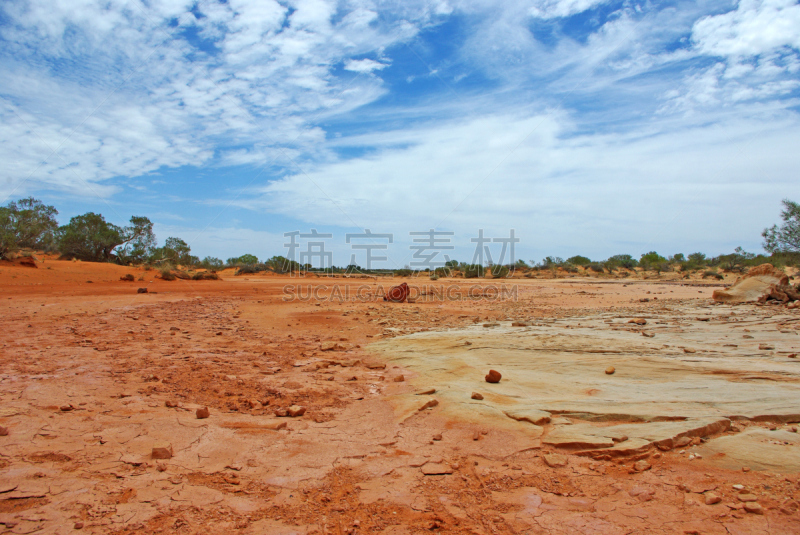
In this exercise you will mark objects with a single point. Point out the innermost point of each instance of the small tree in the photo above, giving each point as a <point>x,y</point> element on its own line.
<point>34,223</point>
<point>139,241</point>
<point>786,238</point>
<point>621,260</point>
<point>212,263</point>
<point>89,237</point>
<point>579,260</point>
<point>8,242</point>
<point>244,260</point>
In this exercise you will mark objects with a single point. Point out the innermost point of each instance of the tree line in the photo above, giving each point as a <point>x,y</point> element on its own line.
<point>30,224</point>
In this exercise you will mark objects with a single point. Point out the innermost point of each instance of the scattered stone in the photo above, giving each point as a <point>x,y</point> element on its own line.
<point>427,392</point>
<point>745,468</point>
<point>520,324</point>
<point>429,404</point>
<point>747,497</point>
<point>162,452</point>
<point>638,321</point>
<point>296,411</point>
<point>648,335</point>
<point>437,437</point>
<point>170,404</point>
<point>493,324</point>
<point>141,291</point>
<point>766,347</point>
<point>476,435</point>
<point>476,395</point>
<point>680,442</point>
<point>689,350</point>
<point>754,508</point>
<point>642,466</point>
<point>619,439</point>
<point>202,413</point>
<point>77,525</point>
<point>712,498</point>
<point>3,431</point>
<point>436,469</point>
<point>747,336</point>
<point>399,379</point>
<point>610,370</point>
<point>66,408</point>
<point>493,376</point>
<point>281,413</point>
<point>554,460</point>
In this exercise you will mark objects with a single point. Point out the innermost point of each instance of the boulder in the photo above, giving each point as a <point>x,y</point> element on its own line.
<point>397,294</point>
<point>759,285</point>
<point>493,376</point>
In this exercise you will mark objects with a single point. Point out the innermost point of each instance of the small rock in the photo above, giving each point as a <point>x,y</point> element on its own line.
<point>638,321</point>
<point>170,404</point>
<point>619,439</point>
<point>436,469</point>
<point>682,441</point>
<point>429,404</point>
<point>427,392</point>
<point>554,460</point>
<point>141,291</point>
<point>641,466</point>
<point>745,468</point>
<point>520,324</point>
<point>399,379</point>
<point>476,436</point>
<point>202,413</point>
<point>610,370</point>
<point>66,408</point>
<point>3,431</point>
<point>747,336</point>
<point>281,413</point>
<point>712,498</point>
<point>77,525</point>
<point>437,436</point>
<point>648,335</point>
<point>162,452</point>
<point>766,347</point>
<point>754,508</point>
<point>493,376</point>
<point>689,350</point>
<point>747,497</point>
<point>476,395</point>
<point>296,411</point>
<point>161,467</point>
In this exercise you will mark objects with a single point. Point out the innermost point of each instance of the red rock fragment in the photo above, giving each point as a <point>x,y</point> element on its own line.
<point>162,452</point>
<point>296,411</point>
<point>202,413</point>
<point>493,376</point>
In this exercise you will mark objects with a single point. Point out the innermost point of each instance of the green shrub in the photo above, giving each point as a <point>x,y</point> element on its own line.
<point>472,271</point>
<point>579,260</point>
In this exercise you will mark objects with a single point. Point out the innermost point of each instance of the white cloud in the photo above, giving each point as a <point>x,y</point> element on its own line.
<point>548,9</point>
<point>754,27</point>
<point>364,65</point>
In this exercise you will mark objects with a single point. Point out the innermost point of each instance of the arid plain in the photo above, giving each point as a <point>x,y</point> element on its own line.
<point>395,429</point>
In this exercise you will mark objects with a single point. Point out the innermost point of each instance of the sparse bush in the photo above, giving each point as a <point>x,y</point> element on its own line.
<point>499,272</point>
<point>403,272</point>
<point>472,271</point>
<point>594,266</point>
<point>622,260</point>
<point>166,274</point>
<point>710,273</point>
<point>569,268</point>
<point>205,275</point>
<point>127,277</point>
<point>579,260</point>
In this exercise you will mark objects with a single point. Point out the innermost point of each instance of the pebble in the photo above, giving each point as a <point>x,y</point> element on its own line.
<point>747,498</point>
<point>3,431</point>
<point>638,321</point>
<point>610,370</point>
<point>476,436</point>
<point>476,395</point>
<point>429,404</point>
<point>162,452</point>
<point>77,525</point>
<point>399,379</point>
<point>493,376</point>
<point>754,508</point>
<point>712,498</point>
<point>202,413</point>
<point>170,404</point>
<point>427,392</point>
<point>641,466</point>
<point>437,436</point>
<point>554,460</point>
<point>682,441</point>
<point>766,347</point>
<point>296,411</point>
<point>66,408</point>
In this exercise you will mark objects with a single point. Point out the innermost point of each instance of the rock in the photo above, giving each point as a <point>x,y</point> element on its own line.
<point>436,469</point>
<point>66,408</point>
<point>170,404</point>
<point>493,376</point>
<point>281,413</point>
<point>127,278</point>
<point>638,321</point>
<point>758,285</point>
<point>754,508</point>
<point>766,347</point>
<point>3,431</point>
<point>528,414</point>
<point>141,291</point>
<point>427,392</point>
<point>554,460</point>
<point>610,370</point>
<point>476,435</point>
<point>689,350</point>
<point>682,441</point>
<point>619,439</point>
<point>520,324</point>
<point>648,335</point>
<point>76,525</point>
<point>397,294</point>
<point>437,436</point>
<point>202,413</point>
<point>429,404</point>
<point>399,379</point>
<point>747,497</point>
<point>642,466</point>
<point>296,411</point>
<point>476,395</point>
<point>162,452</point>
<point>712,498</point>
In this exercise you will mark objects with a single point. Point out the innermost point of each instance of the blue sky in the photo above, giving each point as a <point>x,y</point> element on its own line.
<point>590,127</point>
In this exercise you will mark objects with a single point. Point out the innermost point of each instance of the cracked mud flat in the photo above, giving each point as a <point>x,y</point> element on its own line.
<point>363,459</point>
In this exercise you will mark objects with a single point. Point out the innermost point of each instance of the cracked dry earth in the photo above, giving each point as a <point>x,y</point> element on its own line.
<point>94,377</point>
